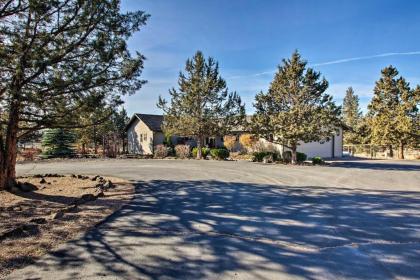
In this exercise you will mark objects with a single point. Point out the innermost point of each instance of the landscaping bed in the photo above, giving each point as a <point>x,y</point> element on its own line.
<point>47,210</point>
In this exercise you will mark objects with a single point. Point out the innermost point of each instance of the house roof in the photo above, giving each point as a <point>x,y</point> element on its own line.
<point>153,122</point>
<point>243,127</point>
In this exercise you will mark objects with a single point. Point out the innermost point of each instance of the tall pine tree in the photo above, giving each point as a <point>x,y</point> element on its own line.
<point>202,106</point>
<point>59,60</point>
<point>296,107</point>
<point>393,112</point>
<point>351,117</point>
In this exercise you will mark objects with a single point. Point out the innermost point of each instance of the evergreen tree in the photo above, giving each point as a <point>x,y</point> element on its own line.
<point>393,112</point>
<point>59,60</point>
<point>296,107</point>
<point>120,120</point>
<point>58,142</point>
<point>351,117</point>
<point>114,124</point>
<point>202,105</point>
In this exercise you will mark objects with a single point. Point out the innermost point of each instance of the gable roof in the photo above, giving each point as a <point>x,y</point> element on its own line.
<point>153,122</point>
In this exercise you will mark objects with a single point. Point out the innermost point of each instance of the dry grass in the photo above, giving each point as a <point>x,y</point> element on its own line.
<point>49,199</point>
<point>240,156</point>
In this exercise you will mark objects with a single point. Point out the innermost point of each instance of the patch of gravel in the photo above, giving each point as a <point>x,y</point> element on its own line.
<point>60,208</point>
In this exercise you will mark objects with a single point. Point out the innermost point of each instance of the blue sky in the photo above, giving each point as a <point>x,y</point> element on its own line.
<point>349,42</point>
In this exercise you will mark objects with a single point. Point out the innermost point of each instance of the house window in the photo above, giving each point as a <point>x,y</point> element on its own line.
<point>184,140</point>
<point>210,142</point>
<point>141,137</point>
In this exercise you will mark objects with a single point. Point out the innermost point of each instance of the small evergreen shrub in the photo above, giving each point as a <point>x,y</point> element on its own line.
<point>161,151</point>
<point>204,152</point>
<point>219,154</point>
<point>182,151</point>
<point>259,156</point>
<point>301,157</point>
<point>317,160</point>
<point>58,142</point>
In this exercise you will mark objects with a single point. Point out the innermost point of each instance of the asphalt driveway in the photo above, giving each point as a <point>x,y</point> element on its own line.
<point>240,220</point>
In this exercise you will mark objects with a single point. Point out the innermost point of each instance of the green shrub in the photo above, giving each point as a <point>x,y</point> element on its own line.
<point>204,152</point>
<point>317,160</point>
<point>287,156</point>
<point>301,157</point>
<point>182,151</point>
<point>219,154</point>
<point>259,156</point>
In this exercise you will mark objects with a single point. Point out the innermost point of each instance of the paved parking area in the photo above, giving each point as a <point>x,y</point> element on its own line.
<point>240,220</point>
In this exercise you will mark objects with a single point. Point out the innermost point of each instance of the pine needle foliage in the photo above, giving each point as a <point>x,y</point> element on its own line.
<point>352,117</point>
<point>296,108</point>
<point>202,105</point>
<point>393,112</point>
<point>58,142</point>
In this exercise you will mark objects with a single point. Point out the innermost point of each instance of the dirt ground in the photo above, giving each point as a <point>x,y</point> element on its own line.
<point>39,209</point>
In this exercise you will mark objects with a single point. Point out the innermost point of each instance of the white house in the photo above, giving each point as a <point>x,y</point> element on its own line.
<point>144,132</point>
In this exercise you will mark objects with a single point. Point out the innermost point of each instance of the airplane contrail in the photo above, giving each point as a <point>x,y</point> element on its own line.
<point>338,61</point>
<point>350,59</point>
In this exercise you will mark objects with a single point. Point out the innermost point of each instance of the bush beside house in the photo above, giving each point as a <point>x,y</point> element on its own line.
<point>247,141</point>
<point>269,155</point>
<point>229,141</point>
<point>204,152</point>
<point>301,157</point>
<point>182,151</point>
<point>287,157</point>
<point>161,151</point>
<point>317,161</point>
<point>259,156</point>
<point>219,153</point>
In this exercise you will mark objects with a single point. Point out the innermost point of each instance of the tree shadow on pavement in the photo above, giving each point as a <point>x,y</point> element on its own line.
<point>378,165</point>
<point>211,229</point>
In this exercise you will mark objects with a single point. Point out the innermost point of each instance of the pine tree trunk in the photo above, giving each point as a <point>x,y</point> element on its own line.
<point>2,168</point>
<point>9,154</point>
<point>294,154</point>
<point>391,151</point>
<point>94,140</point>
<point>199,147</point>
<point>401,151</point>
